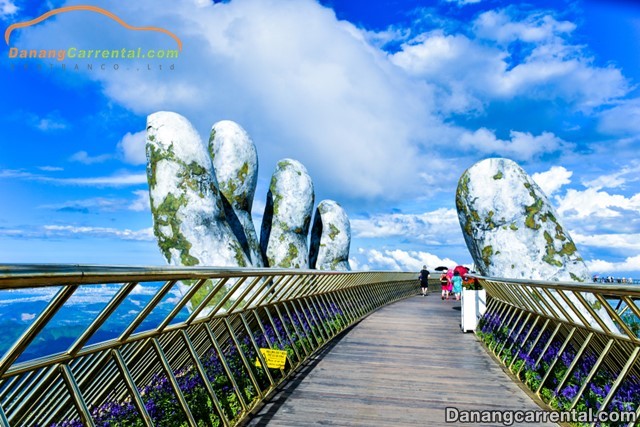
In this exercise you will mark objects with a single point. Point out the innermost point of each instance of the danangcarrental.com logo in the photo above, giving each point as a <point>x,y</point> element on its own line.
<point>85,55</point>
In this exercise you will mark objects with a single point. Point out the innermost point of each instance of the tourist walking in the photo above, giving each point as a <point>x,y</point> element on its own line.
<point>444,285</point>
<point>457,284</point>
<point>424,280</point>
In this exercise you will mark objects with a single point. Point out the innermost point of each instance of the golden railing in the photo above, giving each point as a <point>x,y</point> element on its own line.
<point>578,343</point>
<point>188,352</point>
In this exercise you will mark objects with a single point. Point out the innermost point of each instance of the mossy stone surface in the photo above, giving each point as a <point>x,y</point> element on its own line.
<point>235,162</point>
<point>188,217</point>
<point>330,238</point>
<point>287,216</point>
<point>500,206</point>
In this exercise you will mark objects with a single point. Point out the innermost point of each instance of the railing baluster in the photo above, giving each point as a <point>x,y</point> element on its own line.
<point>555,359</point>
<point>160,293</point>
<point>535,341</point>
<point>574,363</point>
<point>4,422</point>
<point>107,311</point>
<point>206,300</point>
<point>131,386</point>
<point>207,383</point>
<point>256,347</point>
<point>614,387</point>
<point>38,324</point>
<point>173,381</point>
<point>591,373</point>
<point>524,341</point>
<point>76,396</point>
<point>227,368</point>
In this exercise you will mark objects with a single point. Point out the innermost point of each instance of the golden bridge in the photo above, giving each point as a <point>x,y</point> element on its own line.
<point>162,346</point>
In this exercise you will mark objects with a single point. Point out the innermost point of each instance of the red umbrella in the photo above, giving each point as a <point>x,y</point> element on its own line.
<point>461,269</point>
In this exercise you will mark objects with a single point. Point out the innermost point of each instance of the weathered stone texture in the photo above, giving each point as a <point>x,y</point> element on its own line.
<point>285,224</point>
<point>330,238</point>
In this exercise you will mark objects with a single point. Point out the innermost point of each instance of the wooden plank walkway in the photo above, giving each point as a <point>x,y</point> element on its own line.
<point>400,366</point>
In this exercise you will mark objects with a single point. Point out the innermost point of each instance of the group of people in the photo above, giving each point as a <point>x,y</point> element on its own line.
<point>450,283</point>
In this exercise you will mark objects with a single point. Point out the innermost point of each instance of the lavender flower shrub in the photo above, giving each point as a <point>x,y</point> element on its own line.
<point>291,334</point>
<point>531,365</point>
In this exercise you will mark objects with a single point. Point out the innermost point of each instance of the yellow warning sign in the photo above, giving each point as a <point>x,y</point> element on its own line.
<point>275,358</point>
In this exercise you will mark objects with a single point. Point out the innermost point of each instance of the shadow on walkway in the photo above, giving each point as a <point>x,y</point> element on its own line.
<point>401,366</point>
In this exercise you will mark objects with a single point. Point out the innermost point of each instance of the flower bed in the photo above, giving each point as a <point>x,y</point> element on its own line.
<point>162,404</point>
<point>531,366</point>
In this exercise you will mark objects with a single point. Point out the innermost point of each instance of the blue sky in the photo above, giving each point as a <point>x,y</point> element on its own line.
<point>386,103</point>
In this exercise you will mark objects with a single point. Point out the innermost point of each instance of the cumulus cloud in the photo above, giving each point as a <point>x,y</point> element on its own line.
<point>140,202</point>
<point>25,317</point>
<point>125,234</point>
<point>630,264</point>
<point>84,158</point>
<point>298,79</point>
<point>463,2</point>
<point>121,179</point>
<point>7,8</point>
<point>499,26</point>
<point>48,124</point>
<point>132,148</point>
<point>552,180</point>
<point>521,146</point>
<point>592,203</point>
<point>72,231</point>
<point>475,69</point>
<point>623,119</point>
<point>398,260</point>
<point>436,227</point>
<point>616,179</point>
<point>623,242</point>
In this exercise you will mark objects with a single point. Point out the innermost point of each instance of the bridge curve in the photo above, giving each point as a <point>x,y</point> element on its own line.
<point>400,366</point>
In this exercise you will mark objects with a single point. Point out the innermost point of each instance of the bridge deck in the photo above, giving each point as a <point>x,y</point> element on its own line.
<point>401,366</point>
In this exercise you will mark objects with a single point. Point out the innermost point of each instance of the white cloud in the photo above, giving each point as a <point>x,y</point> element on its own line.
<point>27,316</point>
<point>132,148</point>
<point>435,228</point>
<point>102,204</point>
<point>291,74</point>
<point>463,2</point>
<point>500,27</point>
<point>48,124</point>
<point>7,8</point>
<point>521,146</point>
<point>623,119</point>
<point>592,203</point>
<point>126,234</point>
<point>118,180</point>
<point>471,71</point>
<point>615,180</point>
<point>630,264</point>
<point>84,158</point>
<point>622,242</point>
<point>141,202</point>
<point>398,260</point>
<point>51,168</point>
<point>553,179</point>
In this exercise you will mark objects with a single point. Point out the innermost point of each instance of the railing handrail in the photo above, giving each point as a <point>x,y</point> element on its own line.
<point>612,289</point>
<point>13,276</point>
